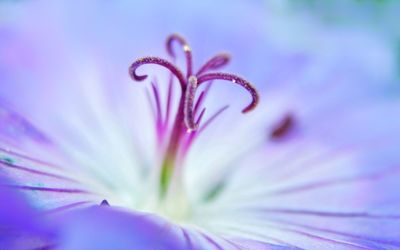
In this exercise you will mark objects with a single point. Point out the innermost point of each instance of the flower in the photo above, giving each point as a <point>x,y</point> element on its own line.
<point>105,166</point>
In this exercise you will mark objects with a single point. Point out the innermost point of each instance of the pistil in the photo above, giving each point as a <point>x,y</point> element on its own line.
<point>188,111</point>
<point>186,125</point>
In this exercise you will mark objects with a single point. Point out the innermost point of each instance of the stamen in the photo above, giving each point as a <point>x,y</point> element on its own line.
<point>212,118</point>
<point>186,50</point>
<point>169,99</point>
<point>158,103</point>
<point>215,63</point>
<point>200,116</point>
<point>190,111</point>
<point>188,104</point>
<point>235,79</point>
<point>155,60</point>
<point>157,111</point>
<point>283,127</point>
<point>153,109</point>
<point>192,136</point>
<point>201,98</point>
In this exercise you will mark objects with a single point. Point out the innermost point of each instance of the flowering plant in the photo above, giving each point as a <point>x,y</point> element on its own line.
<point>90,159</point>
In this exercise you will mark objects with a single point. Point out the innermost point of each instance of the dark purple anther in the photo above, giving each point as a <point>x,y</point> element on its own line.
<point>283,127</point>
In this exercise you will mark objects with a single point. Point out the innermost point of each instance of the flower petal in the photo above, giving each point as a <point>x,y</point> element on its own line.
<point>104,228</point>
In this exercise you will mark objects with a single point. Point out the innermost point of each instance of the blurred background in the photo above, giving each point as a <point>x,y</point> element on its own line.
<point>313,40</point>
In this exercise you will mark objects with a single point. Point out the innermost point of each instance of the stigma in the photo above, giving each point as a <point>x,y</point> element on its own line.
<point>188,104</point>
<point>176,135</point>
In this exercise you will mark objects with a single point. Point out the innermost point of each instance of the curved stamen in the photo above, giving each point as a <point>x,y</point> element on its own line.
<point>188,111</point>
<point>215,63</point>
<point>186,50</point>
<point>235,79</point>
<point>159,61</point>
<point>203,111</point>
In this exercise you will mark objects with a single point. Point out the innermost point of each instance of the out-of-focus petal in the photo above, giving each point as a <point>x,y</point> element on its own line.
<point>21,226</point>
<point>14,209</point>
<point>106,228</point>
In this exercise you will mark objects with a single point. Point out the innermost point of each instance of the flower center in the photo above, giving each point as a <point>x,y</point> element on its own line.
<point>175,137</point>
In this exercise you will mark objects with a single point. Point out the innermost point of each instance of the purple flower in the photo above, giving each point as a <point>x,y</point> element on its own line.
<point>94,160</point>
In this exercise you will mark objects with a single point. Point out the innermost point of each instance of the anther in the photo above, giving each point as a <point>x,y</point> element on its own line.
<point>283,127</point>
